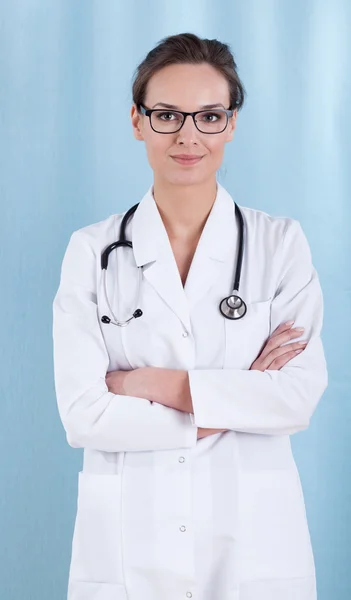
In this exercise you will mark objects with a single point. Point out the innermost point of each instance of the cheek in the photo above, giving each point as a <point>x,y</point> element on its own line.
<point>157,147</point>
<point>215,152</point>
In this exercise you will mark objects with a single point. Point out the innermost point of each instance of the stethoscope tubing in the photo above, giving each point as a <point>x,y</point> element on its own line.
<point>232,307</point>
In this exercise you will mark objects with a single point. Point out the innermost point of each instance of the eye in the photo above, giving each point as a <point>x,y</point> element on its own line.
<point>167,116</point>
<point>210,117</point>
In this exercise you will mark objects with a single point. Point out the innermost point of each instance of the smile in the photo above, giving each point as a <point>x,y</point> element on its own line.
<point>187,161</point>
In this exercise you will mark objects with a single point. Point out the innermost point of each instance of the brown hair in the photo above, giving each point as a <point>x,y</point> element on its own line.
<point>188,48</point>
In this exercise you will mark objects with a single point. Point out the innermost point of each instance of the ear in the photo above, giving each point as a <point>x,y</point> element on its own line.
<point>231,126</point>
<point>137,123</point>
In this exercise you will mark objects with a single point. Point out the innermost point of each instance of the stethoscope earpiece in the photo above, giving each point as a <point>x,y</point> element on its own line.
<point>233,307</point>
<point>136,314</point>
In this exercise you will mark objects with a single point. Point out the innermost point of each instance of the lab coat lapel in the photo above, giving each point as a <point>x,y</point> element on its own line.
<point>153,251</point>
<point>215,247</point>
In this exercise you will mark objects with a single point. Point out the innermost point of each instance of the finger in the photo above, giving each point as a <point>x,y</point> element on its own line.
<point>280,339</point>
<point>280,362</point>
<point>282,327</point>
<point>278,352</point>
<point>288,350</point>
<point>285,336</point>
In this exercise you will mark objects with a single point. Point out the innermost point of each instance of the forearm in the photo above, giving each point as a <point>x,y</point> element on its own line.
<point>169,387</point>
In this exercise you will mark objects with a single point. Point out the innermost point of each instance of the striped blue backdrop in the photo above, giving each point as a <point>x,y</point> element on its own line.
<point>68,158</point>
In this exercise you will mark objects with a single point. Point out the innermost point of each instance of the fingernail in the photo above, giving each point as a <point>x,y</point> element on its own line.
<point>298,351</point>
<point>299,329</point>
<point>289,322</point>
<point>302,343</point>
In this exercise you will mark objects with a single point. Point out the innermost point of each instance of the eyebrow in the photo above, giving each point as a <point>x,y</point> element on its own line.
<point>173,107</point>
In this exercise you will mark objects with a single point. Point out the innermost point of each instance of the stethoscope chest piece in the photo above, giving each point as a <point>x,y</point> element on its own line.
<point>233,307</point>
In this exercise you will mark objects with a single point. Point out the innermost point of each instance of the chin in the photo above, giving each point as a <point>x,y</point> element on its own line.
<point>186,178</point>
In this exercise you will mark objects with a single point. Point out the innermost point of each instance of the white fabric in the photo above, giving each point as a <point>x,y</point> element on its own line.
<point>160,514</point>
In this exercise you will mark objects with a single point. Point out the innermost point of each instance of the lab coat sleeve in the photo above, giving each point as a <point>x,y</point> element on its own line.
<point>92,416</point>
<point>273,402</point>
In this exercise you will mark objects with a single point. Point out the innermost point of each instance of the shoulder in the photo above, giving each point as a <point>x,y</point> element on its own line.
<point>273,231</point>
<point>99,234</point>
<point>85,246</point>
<point>281,239</point>
<point>260,222</point>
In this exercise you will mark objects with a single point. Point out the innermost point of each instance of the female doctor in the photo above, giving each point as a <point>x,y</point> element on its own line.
<point>183,399</point>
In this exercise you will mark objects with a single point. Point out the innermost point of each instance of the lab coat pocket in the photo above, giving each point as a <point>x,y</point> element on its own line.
<point>82,590</point>
<point>274,539</point>
<point>245,337</point>
<point>96,547</point>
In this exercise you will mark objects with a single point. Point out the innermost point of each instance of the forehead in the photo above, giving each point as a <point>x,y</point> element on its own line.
<point>188,86</point>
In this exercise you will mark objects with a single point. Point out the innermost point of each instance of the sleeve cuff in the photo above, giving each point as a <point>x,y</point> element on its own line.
<point>198,397</point>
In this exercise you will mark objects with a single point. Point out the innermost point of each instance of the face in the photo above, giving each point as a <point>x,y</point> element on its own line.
<point>187,87</point>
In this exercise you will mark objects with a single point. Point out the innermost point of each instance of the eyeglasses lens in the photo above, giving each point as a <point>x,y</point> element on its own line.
<point>171,121</point>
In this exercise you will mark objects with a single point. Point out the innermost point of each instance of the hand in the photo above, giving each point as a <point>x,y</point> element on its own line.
<point>115,381</point>
<point>135,382</point>
<point>202,432</point>
<point>169,387</point>
<point>274,355</point>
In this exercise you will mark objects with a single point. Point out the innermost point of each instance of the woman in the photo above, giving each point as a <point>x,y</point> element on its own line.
<point>189,488</point>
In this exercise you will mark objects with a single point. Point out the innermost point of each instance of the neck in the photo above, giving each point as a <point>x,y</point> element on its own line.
<point>184,209</point>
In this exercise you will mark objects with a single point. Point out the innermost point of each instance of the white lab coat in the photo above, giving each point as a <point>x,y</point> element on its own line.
<point>161,515</point>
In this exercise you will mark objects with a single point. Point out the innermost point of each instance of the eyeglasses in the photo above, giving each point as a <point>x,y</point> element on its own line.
<point>170,121</point>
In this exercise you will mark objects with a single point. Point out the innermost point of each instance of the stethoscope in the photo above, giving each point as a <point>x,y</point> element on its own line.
<point>232,307</point>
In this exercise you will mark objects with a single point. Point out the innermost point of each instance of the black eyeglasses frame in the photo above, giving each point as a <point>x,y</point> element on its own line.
<point>148,112</point>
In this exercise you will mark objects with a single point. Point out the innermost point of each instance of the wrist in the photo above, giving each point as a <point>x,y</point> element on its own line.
<point>186,403</point>
<point>133,384</point>
<point>169,387</point>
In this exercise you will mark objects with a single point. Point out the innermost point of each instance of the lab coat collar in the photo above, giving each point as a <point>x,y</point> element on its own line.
<point>149,234</point>
<point>153,251</point>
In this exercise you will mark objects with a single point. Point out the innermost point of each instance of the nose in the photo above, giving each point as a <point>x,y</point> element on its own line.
<point>188,131</point>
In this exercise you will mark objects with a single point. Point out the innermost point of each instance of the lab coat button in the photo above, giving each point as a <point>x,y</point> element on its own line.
<point>185,334</point>
<point>181,459</point>
<point>182,528</point>
<point>189,595</point>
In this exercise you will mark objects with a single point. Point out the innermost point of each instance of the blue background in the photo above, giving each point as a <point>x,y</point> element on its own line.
<point>68,158</point>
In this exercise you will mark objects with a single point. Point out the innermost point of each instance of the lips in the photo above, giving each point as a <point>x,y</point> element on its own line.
<point>187,159</point>
<point>187,156</point>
